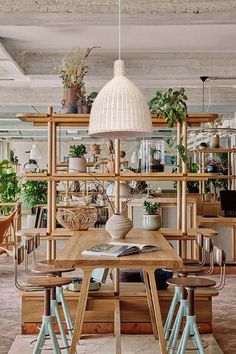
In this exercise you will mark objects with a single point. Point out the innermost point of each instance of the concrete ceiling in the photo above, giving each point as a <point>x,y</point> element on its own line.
<point>164,44</point>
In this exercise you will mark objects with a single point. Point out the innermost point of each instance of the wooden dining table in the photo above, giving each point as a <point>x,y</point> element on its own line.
<point>70,256</point>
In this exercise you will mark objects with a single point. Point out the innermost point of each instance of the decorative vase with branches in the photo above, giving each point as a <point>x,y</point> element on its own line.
<point>72,71</point>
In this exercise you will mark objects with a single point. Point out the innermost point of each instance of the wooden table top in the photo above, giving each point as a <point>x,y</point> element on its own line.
<point>190,232</point>
<point>70,256</point>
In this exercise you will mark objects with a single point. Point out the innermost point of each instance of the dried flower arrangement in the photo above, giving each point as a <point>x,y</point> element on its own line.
<point>212,161</point>
<point>74,68</point>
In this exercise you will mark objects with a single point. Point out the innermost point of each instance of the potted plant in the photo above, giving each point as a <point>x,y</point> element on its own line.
<point>9,185</point>
<point>215,138</point>
<point>151,217</point>
<point>212,165</point>
<point>171,105</point>
<point>72,72</point>
<point>77,161</point>
<point>33,193</point>
<point>87,102</point>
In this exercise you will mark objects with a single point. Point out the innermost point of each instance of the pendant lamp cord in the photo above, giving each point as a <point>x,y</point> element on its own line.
<point>119,26</point>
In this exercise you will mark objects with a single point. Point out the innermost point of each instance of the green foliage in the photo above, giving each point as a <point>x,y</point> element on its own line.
<point>151,208</point>
<point>171,105</point>
<point>9,183</point>
<point>34,192</point>
<point>77,150</point>
<point>92,96</point>
<point>193,186</point>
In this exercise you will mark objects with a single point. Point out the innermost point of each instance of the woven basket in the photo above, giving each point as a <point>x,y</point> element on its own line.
<point>76,219</point>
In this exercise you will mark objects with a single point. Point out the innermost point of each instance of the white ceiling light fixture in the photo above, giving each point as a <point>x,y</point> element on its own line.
<point>35,152</point>
<point>120,109</point>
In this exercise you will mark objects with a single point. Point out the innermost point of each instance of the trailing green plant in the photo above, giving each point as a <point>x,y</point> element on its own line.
<point>34,192</point>
<point>171,105</point>
<point>77,150</point>
<point>151,208</point>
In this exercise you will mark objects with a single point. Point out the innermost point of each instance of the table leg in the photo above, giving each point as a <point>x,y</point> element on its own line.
<point>79,318</point>
<point>150,304</point>
<point>117,326</point>
<point>157,311</point>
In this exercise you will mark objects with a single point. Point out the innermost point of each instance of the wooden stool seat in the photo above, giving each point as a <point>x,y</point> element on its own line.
<point>46,282</point>
<point>188,269</point>
<point>45,262</point>
<point>51,270</point>
<point>192,282</point>
<point>188,261</point>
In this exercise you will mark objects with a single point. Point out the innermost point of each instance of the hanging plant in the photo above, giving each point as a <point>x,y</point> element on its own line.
<point>171,105</point>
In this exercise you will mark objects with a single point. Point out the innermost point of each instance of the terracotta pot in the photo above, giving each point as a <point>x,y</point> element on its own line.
<point>118,226</point>
<point>70,100</point>
<point>111,166</point>
<point>151,222</point>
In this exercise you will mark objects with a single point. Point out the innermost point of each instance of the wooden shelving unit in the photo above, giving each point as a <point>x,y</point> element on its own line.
<point>53,120</point>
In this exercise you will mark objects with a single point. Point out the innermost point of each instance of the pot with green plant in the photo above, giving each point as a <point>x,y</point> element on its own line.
<point>9,185</point>
<point>33,193</point>
<point>171,105</point>
<point>77,161</point>
<point>212,165</point>
<point>87,102</point>
<point>72,71</point>
<point>151,217</point>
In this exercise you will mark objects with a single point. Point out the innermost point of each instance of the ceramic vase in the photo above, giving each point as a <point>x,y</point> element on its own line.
<point>212,169</point>
<point>77,164</point>
<point>118,226</point>
<point>215,141</point>
<point>70,100</point>
<point>151,222</point>
<point>124,190</point>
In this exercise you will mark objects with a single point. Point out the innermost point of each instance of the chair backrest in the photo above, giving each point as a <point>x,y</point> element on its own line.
<point>220,259</point>
<point>199,240</point>
<point>5,224</point>
<point>208,244</point>
<point>220,256</point>
<point>19,254</point>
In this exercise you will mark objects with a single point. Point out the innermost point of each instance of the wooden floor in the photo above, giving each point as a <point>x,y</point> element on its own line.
<point>224,308</point>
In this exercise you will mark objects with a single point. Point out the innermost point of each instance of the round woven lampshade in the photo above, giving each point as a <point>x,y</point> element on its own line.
<point>120,109</point>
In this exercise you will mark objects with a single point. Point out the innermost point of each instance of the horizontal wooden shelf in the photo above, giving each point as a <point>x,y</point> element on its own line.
<point>214,151</point>
<point>82,120</point>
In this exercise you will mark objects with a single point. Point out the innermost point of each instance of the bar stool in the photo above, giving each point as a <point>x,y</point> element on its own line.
<point>187,306</point>
<point>48,284</point>
<point>57,294</point>
<point>190,328</point>
<point>180,296</point>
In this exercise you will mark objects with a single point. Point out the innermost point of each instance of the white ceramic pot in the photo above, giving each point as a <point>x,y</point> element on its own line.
<point>77,164</point>
<point>215,141</point>
<point>31,221</point>
<point>151,222</point>
<point>118,226</point>
<point>124,190</point>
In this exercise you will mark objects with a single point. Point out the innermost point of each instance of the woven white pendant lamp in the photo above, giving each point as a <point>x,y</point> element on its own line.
<point>120,109</point>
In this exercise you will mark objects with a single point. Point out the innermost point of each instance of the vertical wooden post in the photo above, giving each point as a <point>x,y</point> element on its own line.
<point>233,169</point>
<point>117,205</point>
<point>49,197</point>
<point>179,188</point>
<point>184,191</point>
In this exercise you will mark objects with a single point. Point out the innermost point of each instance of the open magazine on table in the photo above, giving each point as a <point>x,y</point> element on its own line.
<point>118,249</point>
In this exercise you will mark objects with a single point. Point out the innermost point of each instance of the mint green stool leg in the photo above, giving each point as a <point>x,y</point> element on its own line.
<point>46,329</point>
<point>55,313</point>
<point>53,337</point>
<point>40,340</point>
<point>176,298</point>
<point>61,300</point>
<point>197,338</point>
<point>184,338</point>
<point>182,312</point>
